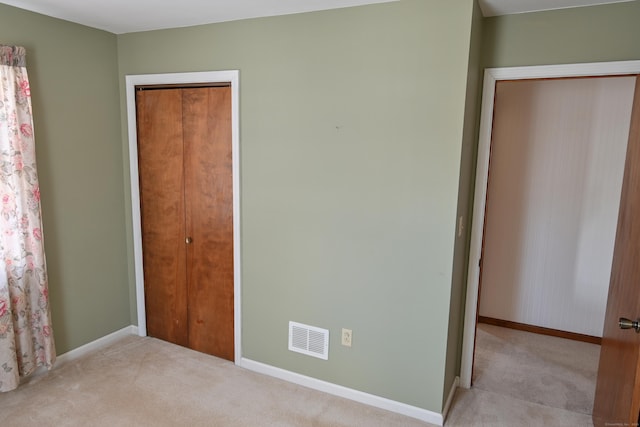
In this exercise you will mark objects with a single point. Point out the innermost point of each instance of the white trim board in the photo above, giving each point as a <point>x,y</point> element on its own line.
<point>232,77</point>
<point>452,393</point>
<point>102,342</point>
<point>77,353</point>
<point>348,393</point>
<point>491,77</point>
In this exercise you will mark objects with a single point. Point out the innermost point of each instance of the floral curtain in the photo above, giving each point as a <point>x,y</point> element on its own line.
<point>26,339</point>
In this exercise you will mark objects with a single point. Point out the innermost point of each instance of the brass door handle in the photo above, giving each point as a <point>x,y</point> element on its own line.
<point>625,323</point>
<point>188,240</point>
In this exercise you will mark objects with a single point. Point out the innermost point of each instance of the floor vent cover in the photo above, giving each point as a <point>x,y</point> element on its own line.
<point>309,340</point>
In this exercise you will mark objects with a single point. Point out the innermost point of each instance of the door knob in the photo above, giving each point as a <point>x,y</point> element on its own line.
<point>625,323</point>
<point>188,240</point>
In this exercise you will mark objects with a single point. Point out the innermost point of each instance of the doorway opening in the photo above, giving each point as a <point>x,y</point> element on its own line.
<point>492,77</point>
<point>557,160</point>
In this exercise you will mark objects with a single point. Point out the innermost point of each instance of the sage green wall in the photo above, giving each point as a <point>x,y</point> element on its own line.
<point>351,134</point>
<point>587,34</point>
<point>74,81</point>
<point>465,202</point>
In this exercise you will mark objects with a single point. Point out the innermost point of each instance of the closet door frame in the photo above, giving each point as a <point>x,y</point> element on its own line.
<point>231,77</point>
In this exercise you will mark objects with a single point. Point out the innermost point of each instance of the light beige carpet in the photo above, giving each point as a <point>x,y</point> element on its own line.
<point>481,408</point>
<point>550,371</point>
<point>147,382</point>
<point>527,380</point>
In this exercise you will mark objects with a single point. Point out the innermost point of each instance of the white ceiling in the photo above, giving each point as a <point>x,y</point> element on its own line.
<point>125,16</point>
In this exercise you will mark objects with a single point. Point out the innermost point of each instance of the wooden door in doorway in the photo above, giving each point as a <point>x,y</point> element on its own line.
<point>617,399</point>
<point>186,196</point>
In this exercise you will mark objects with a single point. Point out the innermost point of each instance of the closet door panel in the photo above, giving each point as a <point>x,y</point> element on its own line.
<point>160,164</point>
<point>209,219</point>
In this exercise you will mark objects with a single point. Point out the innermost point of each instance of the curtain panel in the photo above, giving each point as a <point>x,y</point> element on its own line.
<point>26,337</point>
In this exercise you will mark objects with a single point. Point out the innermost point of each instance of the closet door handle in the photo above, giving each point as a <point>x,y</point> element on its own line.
<point>188,240</point>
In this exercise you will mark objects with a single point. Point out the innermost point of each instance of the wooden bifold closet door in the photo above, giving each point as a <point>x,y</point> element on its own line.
<point>186,197</point>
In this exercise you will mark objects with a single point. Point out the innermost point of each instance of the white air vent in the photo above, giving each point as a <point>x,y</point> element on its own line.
<point>309,340</point>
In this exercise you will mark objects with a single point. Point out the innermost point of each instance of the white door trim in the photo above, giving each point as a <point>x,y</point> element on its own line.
<point>232,77</point>
<point>491,77</point>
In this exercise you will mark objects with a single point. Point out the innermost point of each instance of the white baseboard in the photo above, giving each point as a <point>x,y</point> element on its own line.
<point>76,353</point>
<point>347,393</point>
<point>95,345</point>
<point>452,393</point>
